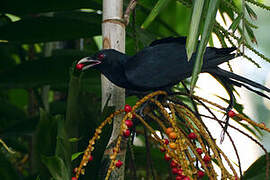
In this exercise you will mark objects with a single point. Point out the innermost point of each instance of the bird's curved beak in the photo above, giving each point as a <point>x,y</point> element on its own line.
<point>87,63</point>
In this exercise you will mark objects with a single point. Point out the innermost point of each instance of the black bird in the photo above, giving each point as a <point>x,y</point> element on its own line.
<point>161,65</point>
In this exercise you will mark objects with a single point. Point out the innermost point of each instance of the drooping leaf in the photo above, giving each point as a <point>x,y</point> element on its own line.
<point>207,30</point>
<point>65,26</point>
<point>193,34</point>
<point>18,7</point>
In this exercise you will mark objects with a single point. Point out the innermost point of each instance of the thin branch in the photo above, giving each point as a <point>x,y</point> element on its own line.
<point>131,6</point>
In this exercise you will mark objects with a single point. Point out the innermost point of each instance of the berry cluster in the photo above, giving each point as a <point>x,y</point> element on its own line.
<point>171,144</point>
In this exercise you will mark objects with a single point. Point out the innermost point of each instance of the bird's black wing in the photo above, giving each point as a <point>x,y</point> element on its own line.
<point>158,66</point>
<point>179,40</point>
<point>164,64</point>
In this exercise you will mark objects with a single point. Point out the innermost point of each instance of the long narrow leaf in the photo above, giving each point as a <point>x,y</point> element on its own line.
<point>250,11</point>
<point>155,11</point>
<point>236,22</point>
<point>207,29</point>
<point>60,27</point>
<point>193,34</point>
<point>19,7</point>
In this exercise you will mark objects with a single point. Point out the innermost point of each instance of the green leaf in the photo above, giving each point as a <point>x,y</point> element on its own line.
<point>76,155</point>
<point>193,34</point>
<point>207,30</point>
<point>63,26</point>
<point>73,140</point>
<point>251,34</point>
<point>19,7</point>
<point>257,170</point>
<point>56,167</point>
<point>236,22</point>
<point>155,11</point>
<point>250,11</point>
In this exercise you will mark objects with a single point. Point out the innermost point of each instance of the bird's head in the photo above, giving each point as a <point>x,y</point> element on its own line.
<point>101,60</point>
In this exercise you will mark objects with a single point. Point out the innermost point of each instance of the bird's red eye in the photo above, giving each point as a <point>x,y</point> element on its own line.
<point>101,56</point>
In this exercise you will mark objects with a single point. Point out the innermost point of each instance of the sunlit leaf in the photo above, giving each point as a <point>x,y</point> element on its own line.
<point>207,30</point>
<point>193,34</point>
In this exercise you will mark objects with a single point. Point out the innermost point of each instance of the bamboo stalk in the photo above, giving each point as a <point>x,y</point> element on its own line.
<point>113,33</point>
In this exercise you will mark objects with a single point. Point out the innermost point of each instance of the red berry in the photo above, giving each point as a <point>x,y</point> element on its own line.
<point>231,113</point>
<point>127,108</point>
<point>174,170</point>
<point>206,159</point>
<point>178,178</point>
<point>118,163</point>
<point>166,141</point>
<point>180,172</point>
<point>75,170</point>
<point>129,123</point>
<point>90,158</point>
<point>162,149</point>
<point>73,178</point>
<point>199,151</point>
<point>200,174</point>
<point>186,178</point>
<point>173,164</point>
<point>127,133</point>
<point>167,157</point>
<point>192,136</point>
<point>79,66</point>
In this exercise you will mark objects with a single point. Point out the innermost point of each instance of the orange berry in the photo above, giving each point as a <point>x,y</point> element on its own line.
<point>172,135</point>
<point>169,130</point>
<point>172,145</point>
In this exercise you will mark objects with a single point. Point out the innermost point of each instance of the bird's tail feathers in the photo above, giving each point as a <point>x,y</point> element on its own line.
<point>220,56</point>
<point>240,81</point>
